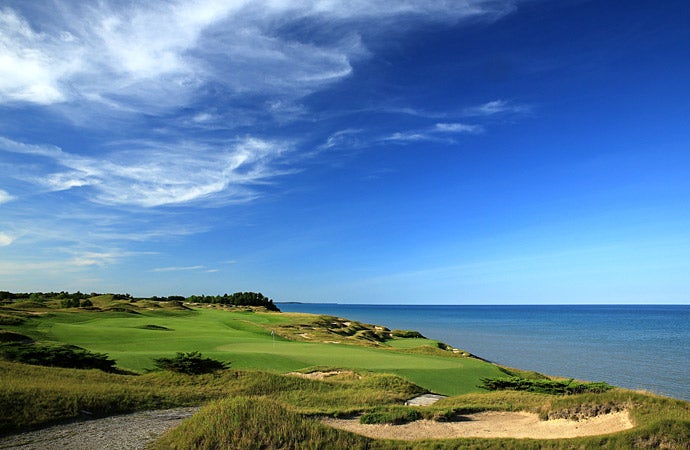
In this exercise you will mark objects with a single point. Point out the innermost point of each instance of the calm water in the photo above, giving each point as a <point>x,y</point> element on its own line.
<point>633,346</point>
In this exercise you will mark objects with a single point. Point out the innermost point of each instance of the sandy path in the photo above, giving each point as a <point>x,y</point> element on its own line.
<point>492,424</point>
<point>125,432</point>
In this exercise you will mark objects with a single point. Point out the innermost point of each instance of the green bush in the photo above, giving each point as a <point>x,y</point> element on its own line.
<point>407,334</point>
<point>544,386</point>
<point>191,363</point>
<point>11,336</point>
<point>397,416</point>
<point>69,356</point>
<point>6,319</point>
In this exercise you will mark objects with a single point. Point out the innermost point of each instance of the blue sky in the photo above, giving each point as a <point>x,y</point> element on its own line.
<point>478,151</point>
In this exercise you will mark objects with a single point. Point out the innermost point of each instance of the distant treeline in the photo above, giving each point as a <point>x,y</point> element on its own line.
<point>237,299</point>
<point>76,299</point>
<point>62,295</point>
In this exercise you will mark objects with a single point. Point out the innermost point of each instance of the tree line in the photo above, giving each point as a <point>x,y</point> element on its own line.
<point>79,299</point>
<point>236,299</point>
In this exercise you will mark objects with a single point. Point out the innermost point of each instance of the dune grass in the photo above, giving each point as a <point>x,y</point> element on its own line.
<point>256,423</point>
<point>32,396</point>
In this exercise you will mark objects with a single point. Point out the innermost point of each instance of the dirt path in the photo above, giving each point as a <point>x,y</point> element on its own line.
<point>125,432</point>
<point>492,424</point>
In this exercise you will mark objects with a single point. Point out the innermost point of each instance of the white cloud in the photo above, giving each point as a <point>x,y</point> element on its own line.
<point>5,239</point>
<point>458,128</point>
<point>438,132</point>
<point>410,136</point>
<point>78,261</point>
<point>150,174</point>
<point>495,107</point>
<point>158,54</point>
<point>178,269</point>
<point>5,197</point>
<point>94,259</point>
<point>342,138</point>
<point>29,68</point>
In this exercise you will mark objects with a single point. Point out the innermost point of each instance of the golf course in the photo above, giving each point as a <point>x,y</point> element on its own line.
<point>279,378</point>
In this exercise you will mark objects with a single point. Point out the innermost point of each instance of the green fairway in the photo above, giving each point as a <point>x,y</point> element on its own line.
<point>244,339</point>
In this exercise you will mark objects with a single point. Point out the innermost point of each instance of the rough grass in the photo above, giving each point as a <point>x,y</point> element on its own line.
<point>253,423</point>
<point>32,396</point>
<point>250,423</point>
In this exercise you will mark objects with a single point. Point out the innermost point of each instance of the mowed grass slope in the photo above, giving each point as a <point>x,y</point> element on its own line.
<point>244,339</point>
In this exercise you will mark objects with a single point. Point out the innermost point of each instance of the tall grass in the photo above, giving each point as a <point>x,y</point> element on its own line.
<point>256,423</point>
<point>263,423</point>
<point>32,396</point>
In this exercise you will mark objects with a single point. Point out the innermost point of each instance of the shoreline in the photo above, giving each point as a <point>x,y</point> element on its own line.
<point>618,344</point>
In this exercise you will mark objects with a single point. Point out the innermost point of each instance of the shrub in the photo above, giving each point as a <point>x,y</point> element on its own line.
<point>407,334</point>
<point>69,356</point>
<point>393,416</point>
<point>191,363</point>
<point>11,336</point>
<point>6,319</point>
<point>567,387</point>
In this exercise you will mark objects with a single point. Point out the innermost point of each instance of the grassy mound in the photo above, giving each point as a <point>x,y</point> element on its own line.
<point>255,423</point>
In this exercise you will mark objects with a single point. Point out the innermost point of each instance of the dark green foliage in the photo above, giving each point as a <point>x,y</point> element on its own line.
<point>69,356</point>
<point>191,363</point>
<point>11,336</point>
<point>236,299</point>
<point>155,327</point>
<point>396,416</point>
<point>6,319</point>
<point>407,334</point>
<point>544,386</point>
<point>69,303</point>
<point>75,301</point>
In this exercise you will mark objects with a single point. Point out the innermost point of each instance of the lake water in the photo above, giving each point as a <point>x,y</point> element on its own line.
<point>632,346</point>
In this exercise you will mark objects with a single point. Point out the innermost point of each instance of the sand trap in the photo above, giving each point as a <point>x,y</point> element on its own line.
<point>492,424</point>
<point>319,375</point>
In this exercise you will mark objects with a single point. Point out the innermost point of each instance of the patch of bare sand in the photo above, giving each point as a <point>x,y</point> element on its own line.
<point>492,424</point>
<point>319,375</point>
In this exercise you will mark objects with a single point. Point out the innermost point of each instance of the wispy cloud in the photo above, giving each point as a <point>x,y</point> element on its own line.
<point>5,197</point>
<point>125,56</point>
<point>73,261</point>
<point>458,128</point>
<point>149,174</point>
<point>177,269</point>
<point>495,107</point>
<point>440,132</point>
<point>5,239</point>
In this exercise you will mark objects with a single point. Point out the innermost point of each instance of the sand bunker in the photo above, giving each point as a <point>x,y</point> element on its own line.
<point>319,375</point>
<point>492,424</point>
